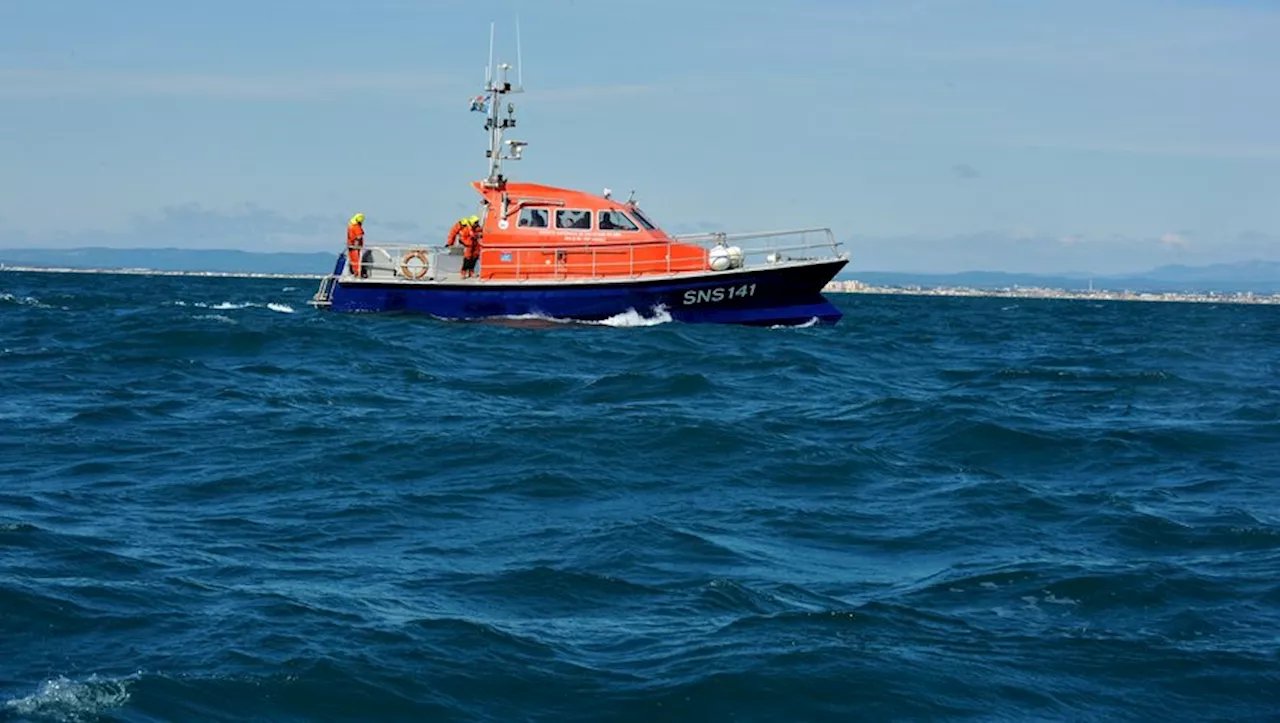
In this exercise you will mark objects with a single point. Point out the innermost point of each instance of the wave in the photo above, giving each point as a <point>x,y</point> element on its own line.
<point>234,305</point>
<point>71,701</point>
<point>633,386</point>
<point>30,301</point>
<point>216,317</point>
<point>932,510</point>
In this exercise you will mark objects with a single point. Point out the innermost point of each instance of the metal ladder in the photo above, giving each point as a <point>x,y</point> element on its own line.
<point>324,294</point>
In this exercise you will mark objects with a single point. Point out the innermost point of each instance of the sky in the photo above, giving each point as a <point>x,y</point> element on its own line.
<point>930,135</point>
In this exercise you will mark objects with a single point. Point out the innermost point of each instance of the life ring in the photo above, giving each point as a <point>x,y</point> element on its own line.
<point>421,271</point>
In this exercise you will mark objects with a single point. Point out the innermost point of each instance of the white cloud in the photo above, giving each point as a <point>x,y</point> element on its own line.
<point>1175,240</point>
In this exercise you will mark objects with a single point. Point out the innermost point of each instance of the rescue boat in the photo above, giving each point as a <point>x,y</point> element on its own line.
<point>567,254</point>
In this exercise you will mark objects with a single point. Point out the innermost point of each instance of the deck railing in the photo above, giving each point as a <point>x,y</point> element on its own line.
<point>786,243</point>
<point>682,253</point>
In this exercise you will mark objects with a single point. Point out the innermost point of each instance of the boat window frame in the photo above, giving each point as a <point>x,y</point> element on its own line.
<point>635,227</point>
<point>586,214</point>
<point>531,209</point>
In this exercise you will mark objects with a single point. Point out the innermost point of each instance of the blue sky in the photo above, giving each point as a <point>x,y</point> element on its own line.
<point>931,135</point>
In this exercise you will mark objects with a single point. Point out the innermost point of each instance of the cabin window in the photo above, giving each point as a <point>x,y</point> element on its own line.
<point>532,218</point>
<point>615,221</point>
<point>643,221</point>
<point>573,219</point>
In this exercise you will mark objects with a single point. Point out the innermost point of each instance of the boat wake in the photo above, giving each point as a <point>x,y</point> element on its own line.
<point>627,319</point>
<point>811,322</point>
<point>631,317</point>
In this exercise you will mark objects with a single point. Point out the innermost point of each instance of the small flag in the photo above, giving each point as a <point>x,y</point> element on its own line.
<point>479,104</point>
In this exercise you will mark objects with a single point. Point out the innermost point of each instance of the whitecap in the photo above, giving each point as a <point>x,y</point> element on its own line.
<point>217,317</point>
<point>228,306</point>
<point>282,308</point>
<point>1054,600</point>
<point>62,699</point>
<point>25,301</point>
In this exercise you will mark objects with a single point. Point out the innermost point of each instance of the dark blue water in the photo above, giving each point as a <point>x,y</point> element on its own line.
<point>977,509</point>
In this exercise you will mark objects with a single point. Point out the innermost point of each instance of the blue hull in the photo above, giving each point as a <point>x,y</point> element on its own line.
<point>783,295</point>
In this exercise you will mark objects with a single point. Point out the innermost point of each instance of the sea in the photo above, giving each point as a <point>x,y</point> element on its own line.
<point>219,504</point>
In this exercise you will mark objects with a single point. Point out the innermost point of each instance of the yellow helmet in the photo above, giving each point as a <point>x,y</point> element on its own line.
<point>474,220</point>
<point>358,218</point>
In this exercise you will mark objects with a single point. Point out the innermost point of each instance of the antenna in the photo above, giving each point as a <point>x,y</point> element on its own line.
<point>519,57</point>
<point>488,70</point>
<point>496,121</point>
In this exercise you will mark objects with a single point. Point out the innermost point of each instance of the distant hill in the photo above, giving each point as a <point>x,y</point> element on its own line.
<point>1244,271</point>
<point>1258,276</point>
<point>170,259</point>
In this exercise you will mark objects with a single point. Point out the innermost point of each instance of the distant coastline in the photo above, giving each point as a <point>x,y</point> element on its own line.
<point>1021,292</point>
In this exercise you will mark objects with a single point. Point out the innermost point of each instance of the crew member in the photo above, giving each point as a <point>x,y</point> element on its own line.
<point>355,243</point>
<point>467,232</point>
<point>456,230</point>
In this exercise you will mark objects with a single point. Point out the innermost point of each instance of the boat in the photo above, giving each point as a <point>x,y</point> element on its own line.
<point>566,254</point>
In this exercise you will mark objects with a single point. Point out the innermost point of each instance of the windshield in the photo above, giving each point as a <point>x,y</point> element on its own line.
<point>641,218</point>
<point>615,221</point>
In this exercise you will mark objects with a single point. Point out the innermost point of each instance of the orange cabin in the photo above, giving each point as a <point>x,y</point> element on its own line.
<point>542,232</point>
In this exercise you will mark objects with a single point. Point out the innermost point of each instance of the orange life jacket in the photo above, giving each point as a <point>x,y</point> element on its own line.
<point>355,236</point>
<point>455,231</point>
<point>470,238</point>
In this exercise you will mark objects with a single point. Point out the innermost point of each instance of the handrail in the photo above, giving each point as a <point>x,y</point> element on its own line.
<point>743,235</point>
<point>723,237</point>
<point>611,243</point>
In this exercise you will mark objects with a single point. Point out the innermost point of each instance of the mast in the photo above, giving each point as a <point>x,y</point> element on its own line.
<point>499,119</point>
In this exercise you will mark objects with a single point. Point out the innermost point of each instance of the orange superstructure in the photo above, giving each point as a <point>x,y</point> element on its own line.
<point>532,231</point>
